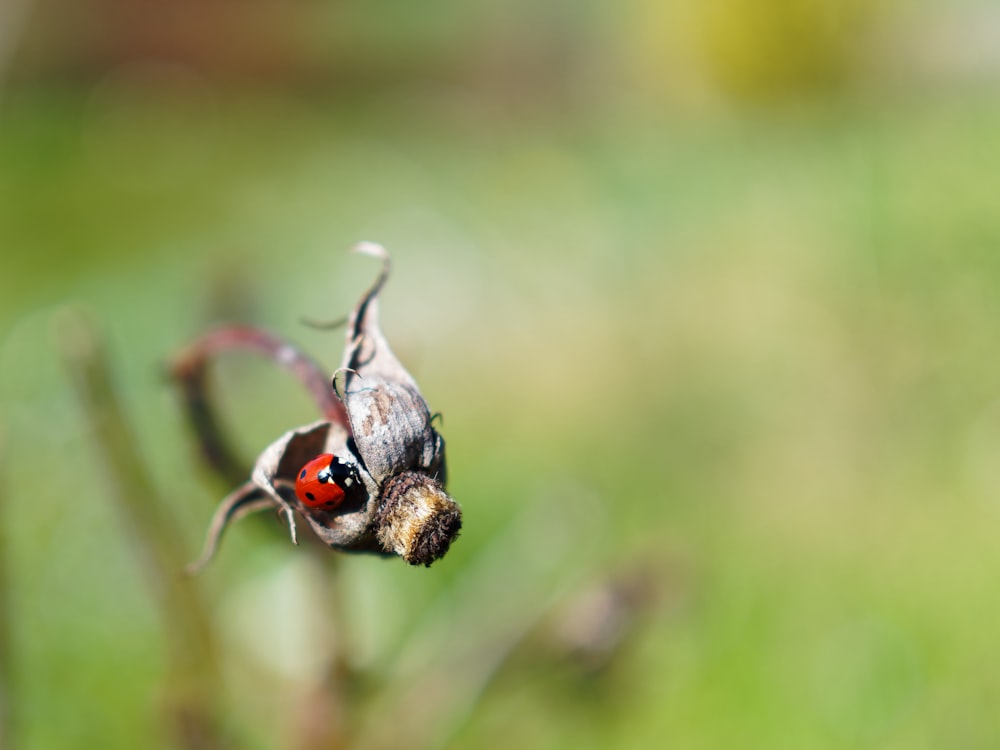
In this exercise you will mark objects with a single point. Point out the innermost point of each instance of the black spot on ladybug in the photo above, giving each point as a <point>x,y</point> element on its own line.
<point>303,474</point>
<point>310,495</point>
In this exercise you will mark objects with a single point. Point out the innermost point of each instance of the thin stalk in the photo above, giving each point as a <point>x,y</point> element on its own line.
<point>6,651</point>
<point>192,680</point>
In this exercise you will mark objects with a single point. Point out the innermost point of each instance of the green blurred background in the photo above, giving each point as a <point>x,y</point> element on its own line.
<point>709,296</point>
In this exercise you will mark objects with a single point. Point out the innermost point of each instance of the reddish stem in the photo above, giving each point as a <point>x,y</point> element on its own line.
<point>190,367</point>
<point>309,372</point>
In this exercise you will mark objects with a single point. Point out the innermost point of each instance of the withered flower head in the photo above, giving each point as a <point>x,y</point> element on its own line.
<point>379,432</point>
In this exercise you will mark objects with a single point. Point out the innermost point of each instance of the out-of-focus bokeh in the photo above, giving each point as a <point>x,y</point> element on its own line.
<point>707,292</point>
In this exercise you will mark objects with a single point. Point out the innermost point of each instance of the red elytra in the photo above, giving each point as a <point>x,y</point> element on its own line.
<point>323,482</point>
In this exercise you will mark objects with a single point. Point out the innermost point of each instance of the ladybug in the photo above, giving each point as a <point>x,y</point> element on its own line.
<point>324,481</point>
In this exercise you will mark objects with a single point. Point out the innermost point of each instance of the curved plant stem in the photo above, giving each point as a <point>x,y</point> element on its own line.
<point>189,369</point>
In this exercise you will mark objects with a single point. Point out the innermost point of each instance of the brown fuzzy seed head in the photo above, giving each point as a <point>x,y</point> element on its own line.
<point>417,519</point>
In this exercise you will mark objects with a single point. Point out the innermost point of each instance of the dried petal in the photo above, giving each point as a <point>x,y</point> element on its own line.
<point>275,471</point>
<point>389,418</point>
<point>246,499</point>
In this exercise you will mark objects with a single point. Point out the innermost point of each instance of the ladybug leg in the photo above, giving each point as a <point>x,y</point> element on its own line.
<point>244,500</point>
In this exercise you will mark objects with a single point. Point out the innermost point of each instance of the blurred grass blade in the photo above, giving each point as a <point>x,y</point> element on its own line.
<point>192,681</point>
<point>6,671</point>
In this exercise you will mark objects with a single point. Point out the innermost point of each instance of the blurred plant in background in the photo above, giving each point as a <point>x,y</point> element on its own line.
<point>707,293</point>
<point>760,49</point>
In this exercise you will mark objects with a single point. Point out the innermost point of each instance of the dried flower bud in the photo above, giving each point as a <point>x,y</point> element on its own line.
<point>384,437</point>
<point>416,518</point>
